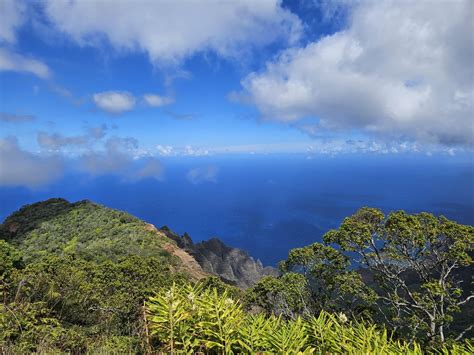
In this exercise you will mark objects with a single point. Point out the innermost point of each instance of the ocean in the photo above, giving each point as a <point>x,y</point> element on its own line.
<point>268,204</point>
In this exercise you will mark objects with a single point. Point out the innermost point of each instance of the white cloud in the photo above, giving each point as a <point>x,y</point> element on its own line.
<point>165,150</point>
<point>10,61</point>
<point>114,102</point>
<point>22,168</point>
<point>170,31</point>
<point>337,145</point>
<point>402,69</point>
<point>188,150</point>
<point>154,100</point>
<point>196,152</point>
<point>12,17</point>
<point>202,174</point>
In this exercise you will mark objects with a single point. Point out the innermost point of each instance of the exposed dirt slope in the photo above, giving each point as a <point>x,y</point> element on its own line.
<point>189,265</point>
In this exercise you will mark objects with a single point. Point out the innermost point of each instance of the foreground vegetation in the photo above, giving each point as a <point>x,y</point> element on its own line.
<point>82,278</point>
<point>73,278</point>
<point>189,319</point>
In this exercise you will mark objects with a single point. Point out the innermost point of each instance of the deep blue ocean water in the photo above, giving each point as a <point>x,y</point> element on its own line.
<point>270,204</point>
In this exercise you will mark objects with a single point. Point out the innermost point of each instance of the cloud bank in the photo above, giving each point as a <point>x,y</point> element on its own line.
<point>171,31</point>
<point>400,69</point>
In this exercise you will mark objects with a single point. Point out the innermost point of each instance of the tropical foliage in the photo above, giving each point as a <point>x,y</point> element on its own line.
<point>187,319</point>
<point>82,278</point>
<point>412,273</point>
<point>413,260</point>
<point>82,229</point>
<point>73,278</point>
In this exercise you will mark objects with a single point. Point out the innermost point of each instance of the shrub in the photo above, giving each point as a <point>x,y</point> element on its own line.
<point>191,319</point>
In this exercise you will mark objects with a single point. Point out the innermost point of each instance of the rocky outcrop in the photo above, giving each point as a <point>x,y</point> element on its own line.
<point>232,265</point>
<point>188,264</point>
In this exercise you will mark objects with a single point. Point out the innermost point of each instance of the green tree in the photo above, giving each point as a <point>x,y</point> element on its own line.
<point>331,285</point>
<point>286,296</point>
<point>414,261</point>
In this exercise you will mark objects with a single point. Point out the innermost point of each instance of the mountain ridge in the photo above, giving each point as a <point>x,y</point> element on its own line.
<point>233,265</point>
<point>92,231</point>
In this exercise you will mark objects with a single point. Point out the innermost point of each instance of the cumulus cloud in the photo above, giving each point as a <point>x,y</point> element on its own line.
<point>402,69</point>
<point>154,100</point>
<point>202,174</point>
<point>114,102</point>
<point>22,168</point>
<point>14,118</point>
<point>11,61</point>
<point>170,31</point>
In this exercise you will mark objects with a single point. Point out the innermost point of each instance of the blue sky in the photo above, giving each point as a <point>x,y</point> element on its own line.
<point>99,85</point>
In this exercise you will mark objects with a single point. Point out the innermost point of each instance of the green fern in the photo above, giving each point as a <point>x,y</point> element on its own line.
<point>221,318</point>
<point>190,319</point>
<point>286,337</point>
<point>252,333</point>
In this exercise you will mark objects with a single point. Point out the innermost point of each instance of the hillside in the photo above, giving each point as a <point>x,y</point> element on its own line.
<point>96,233</point>
<point>75,275</point>
<point>91,232</point>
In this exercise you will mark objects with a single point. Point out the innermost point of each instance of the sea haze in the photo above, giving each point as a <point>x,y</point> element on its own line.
<point>270,204</point>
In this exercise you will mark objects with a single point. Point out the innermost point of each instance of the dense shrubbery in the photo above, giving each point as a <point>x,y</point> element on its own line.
<point>195,319</point>
<point>82,229</point>
<point>72,304</point>
<point>75,277</point>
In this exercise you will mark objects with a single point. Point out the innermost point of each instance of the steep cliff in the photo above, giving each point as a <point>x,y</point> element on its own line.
<point>233,265</point>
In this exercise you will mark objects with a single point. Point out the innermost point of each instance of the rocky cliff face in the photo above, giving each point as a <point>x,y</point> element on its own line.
<point>233,265</point>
